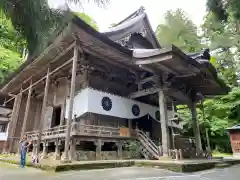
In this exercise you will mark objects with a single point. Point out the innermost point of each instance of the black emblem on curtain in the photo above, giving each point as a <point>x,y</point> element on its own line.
<point>106,103</point>
<point>135,110</point>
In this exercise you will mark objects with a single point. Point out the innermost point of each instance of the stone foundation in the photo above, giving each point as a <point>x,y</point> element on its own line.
<point>105,155</point>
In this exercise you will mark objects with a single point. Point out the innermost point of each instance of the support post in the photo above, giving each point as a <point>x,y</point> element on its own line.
<point>64,104</point>
<point>119,151</point>
<point>180,154</point>
<point>57,150</point>
<point>164,122</point>
<point>196,128</point>
<point>44,105</point>
<point>34,149</point>
<point>14,119</point>
<point>45,150</point>
<point>26,111</point>
<point>98,145</point>
<point>208,141</point>
<point>71,98</point>
<point>73,150</point>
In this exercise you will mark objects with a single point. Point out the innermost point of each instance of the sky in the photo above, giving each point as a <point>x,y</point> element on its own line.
<point>117,10</point>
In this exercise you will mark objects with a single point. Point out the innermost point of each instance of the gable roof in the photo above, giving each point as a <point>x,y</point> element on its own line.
<point>137,22</point>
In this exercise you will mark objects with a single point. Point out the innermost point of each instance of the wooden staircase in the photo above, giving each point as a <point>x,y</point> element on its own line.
<point>148,148</point>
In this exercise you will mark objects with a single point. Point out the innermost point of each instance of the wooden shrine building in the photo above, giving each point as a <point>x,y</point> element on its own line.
<point>234,134</point>
<point>90,92</point>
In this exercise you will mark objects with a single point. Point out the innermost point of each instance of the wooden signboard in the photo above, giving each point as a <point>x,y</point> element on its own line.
<point>125,132</point>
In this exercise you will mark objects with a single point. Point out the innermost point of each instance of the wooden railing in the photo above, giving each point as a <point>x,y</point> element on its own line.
<point>77,129</point>
<point>51,132</point>
<point>148,144</point>
<point>92,130</point>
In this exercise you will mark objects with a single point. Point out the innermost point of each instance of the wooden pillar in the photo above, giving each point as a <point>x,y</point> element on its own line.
<point>45,150</point>
<point>26,111</point>
<point>196,128</point>
<point>164,123</point>
<point>72,153</point>
<point>14,119</point>
<point>34,149</point>
<point>119,151</point>
<point>37,115</point>
<point>98,144</point>
<point>71,98</point>
<point>208,141</point>
<point>57,150</point>
<point>64,104</point>
<point>44,105</point>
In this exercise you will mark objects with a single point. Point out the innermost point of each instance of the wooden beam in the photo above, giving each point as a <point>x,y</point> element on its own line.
<point>164,122</point>
<point>154,59</point>
<point>152,78</point>
<point>44,105</point>
<point>112,61</point>
<point>14,118</point>
<point>71,101</point>
<point>40,80</point>
<point>144,92</point>
<point>45,67</point>
<point>26,113</point>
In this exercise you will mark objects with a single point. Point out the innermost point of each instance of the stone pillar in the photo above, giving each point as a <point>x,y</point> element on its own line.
<point>43,111</point>
<point>14,119</point>
<point>164,122</point>
<point>72,153</point>
<point>196,128</point>
<point>98,144</point>
<point>57,155</point>
<point>45,150</point>
<point>71,98</point>
<point>119,151</point>
<point>26,111</point>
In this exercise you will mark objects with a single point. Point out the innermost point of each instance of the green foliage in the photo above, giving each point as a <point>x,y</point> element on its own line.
<point>35,20</point>
<point>133,147</point>
<point>179,30</point>
<point>9,61</point>
<point>90,21</point>
<point>221,111</point>
<point>11,47</point>
<point>224,9</point>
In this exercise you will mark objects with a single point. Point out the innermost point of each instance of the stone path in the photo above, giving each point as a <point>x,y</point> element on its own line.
<point>12,172</point>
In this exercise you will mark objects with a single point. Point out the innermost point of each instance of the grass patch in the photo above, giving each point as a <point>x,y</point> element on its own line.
<point>219,154</point>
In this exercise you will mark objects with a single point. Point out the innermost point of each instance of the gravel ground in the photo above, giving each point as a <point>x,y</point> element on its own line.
<point>12,172</point>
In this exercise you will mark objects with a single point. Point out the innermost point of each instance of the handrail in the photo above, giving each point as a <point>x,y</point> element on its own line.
<point>147,143</point>
<point>146,137</point>
<point>79,129</point>
<point>150,149</point>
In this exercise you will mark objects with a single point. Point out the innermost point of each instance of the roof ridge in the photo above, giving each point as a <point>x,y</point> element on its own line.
<point>133,15</point>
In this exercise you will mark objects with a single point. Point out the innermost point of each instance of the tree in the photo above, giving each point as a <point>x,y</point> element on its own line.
<point>11,48</point>
<point>34,19</point>
<point>9,61</point>
<point>90,21</point>
<point>221,111</point>
<point>225,9</point>
<point>179,30</point>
